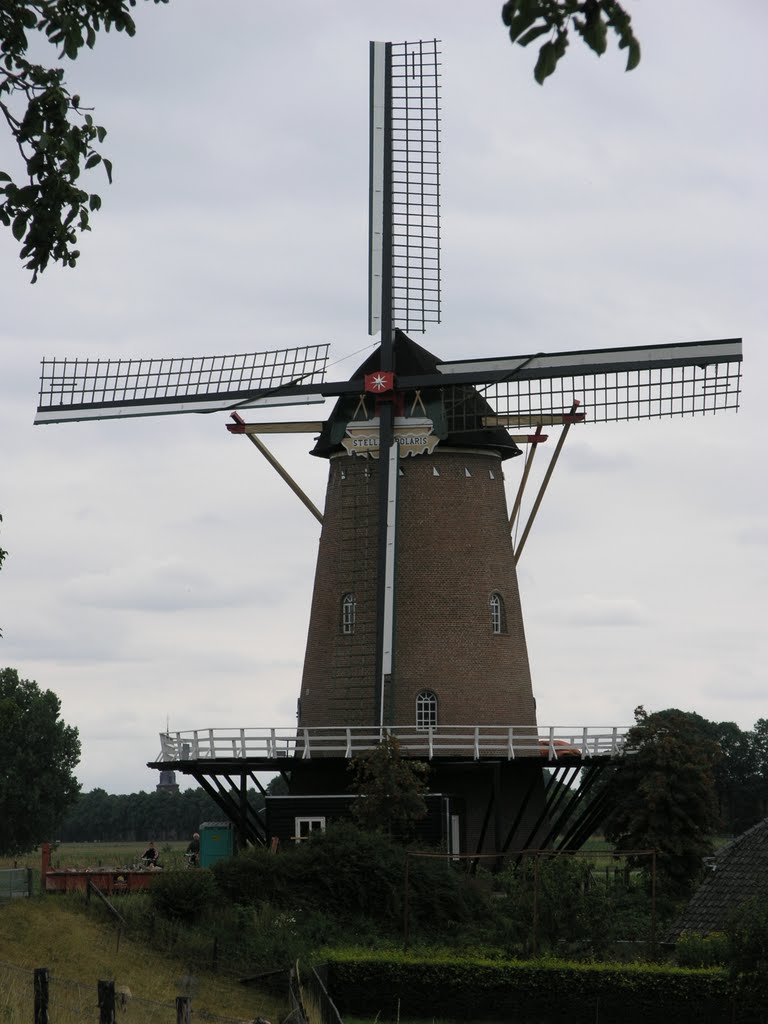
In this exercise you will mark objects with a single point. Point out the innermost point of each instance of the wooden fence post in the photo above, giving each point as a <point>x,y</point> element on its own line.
<point>535,936</point>
<point>183,1010</point>
<point>41,995</point>
<point>106,1002</point>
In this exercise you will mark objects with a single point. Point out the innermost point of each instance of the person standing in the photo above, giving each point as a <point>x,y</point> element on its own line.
<point>150,855</point>
<point>193,850</point>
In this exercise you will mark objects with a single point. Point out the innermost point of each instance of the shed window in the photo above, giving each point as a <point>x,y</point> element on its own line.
<point>348,608</point>
<point>426,711</point>
<point>498,614</point>
<point>306,826</point>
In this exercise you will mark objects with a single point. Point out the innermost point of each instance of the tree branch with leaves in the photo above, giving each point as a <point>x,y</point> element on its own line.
<point>528,20</point>
<point>46,207</point>
<point>55,135</point>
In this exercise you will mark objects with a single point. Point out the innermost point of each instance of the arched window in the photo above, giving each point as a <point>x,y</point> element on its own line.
<point>426,711</point>
<point>348,608</point>
<point>498,614</point>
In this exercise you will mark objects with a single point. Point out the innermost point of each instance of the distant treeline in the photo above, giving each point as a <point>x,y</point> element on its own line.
<point>133,817</point>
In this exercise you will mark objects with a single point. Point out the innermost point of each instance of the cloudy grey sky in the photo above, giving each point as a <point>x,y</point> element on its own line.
<point>160,570</point>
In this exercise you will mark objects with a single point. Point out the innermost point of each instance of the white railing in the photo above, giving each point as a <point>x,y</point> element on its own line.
<point>471,742</point>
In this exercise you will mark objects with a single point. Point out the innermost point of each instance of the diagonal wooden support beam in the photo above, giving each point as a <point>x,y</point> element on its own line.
<point>305,499</point>
<point>524,479</point>
<point>570,420</point>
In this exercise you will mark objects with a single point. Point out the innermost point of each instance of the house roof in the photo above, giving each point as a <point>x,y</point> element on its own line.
<point>737,873</point>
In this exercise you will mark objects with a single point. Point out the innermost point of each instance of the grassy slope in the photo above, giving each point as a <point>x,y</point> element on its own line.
<point>52,932</point>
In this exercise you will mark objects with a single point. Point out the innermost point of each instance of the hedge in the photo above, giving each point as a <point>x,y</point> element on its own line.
<point>391,986</point>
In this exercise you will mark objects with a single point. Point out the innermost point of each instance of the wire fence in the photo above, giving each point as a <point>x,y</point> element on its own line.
<point>530,867</point>
<point>40,996</point>
<point>15,883</point>
<point>309,998</point>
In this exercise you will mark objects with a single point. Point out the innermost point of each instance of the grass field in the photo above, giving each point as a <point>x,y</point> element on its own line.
<point>56,932</point>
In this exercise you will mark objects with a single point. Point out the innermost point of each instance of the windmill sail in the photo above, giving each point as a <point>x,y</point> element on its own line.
<point>634,383</point>
<point>86,389</point>
<point>404,210</point>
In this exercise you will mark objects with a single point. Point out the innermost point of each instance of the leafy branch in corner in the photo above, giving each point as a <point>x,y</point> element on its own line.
<point>531,19</point>
<point>54,133</point>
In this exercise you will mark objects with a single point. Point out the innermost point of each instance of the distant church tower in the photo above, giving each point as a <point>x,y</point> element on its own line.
<point>167,783</point>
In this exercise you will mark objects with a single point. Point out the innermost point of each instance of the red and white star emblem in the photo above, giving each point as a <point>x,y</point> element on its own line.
<point>380,382</point>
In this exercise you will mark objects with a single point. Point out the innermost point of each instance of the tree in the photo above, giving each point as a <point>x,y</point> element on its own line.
<point>665,795</point>
<point>391,789</point>
<point>530,19</point>
<point>38,754</point>
<point>136,817</point>
<point>54,133</point>
<point>737,780</point>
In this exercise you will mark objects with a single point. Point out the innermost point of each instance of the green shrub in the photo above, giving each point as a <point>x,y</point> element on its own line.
<point>464,988</point>
<point>183,895</point>
<point>694,950</point>
<point>747,931</point>
<point>579,912</point>
<point>350,875</point>
<point>254,876</point>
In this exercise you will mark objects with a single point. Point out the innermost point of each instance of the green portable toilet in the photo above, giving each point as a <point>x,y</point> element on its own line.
<point>216,842</point>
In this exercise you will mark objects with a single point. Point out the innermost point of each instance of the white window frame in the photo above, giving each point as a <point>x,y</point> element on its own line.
<point>498,613</point>
<point>426,710</point>
<point>315,822</point>
<point>348,613</point>
<point>455,836</point>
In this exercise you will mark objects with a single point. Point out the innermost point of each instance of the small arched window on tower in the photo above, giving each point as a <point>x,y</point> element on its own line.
<point>426,711</point>
<point>498,614</point>
<point>348,608</point>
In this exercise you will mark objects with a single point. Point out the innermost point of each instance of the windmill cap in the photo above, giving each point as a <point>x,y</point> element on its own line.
<point>458,422</point>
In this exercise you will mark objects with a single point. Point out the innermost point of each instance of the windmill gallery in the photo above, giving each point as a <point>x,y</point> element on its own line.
<point>416,628</point>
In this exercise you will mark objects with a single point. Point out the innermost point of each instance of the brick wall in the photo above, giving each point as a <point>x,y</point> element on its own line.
<point>453,552</point>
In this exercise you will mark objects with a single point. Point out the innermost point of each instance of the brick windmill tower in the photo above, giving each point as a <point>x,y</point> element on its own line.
<point>416,627</point>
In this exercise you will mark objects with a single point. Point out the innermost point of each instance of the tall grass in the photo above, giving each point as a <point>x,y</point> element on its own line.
<point>55,932</point>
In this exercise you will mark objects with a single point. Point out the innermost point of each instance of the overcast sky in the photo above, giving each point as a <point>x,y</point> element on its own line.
<point>159,569</point>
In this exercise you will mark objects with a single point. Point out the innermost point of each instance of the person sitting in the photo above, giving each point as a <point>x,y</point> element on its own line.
<point>193,850</point>
<point>150,856</point>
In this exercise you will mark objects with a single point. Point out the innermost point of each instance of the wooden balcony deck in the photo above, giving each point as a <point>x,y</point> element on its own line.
<point>457,742</point>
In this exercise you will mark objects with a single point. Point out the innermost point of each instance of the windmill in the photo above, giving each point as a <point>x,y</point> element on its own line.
<point>416,627</point>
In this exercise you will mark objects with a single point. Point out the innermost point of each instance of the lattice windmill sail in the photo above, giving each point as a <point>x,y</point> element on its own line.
<point>416,626</point>
<point>404,187</point>
<point>98,389</point>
